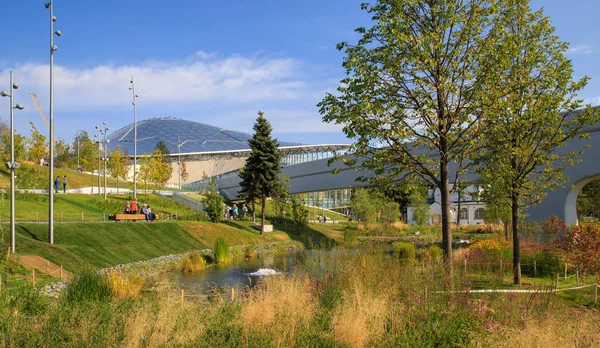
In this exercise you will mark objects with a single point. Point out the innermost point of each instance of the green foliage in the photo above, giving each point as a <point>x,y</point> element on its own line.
<point>63,156</point>
<point>88,150</point>
<point>299,212</point>
<point>531,100</point>
<point>281,197</point>
<point>118,165</point>
<point>155,170</point>
<point>38,147</point>
<point>363,207</point>
<point>414,82</point>
<point>404,250</point>
<point>164,151</point>
<point>350,235</point>
<point>213,202</point>
<point>259,179</point>
<point>587,200</point>
<point>222,253</point>
<point>418,200</point>
<point>88,285</point>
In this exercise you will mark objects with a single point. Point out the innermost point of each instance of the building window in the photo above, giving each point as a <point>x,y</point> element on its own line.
<point>464,214</point>
<point>479,213</point>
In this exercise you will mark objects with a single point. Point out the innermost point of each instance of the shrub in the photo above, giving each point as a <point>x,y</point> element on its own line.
<point>350,235</point>
<point>582,245</point>
<point>435,252</point>
<point>193,262</point>
<point>405,251</point>
<point>222,253</point>
<point>87,286</point>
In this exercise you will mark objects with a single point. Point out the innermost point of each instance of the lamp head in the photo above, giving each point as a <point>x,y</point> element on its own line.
<point>130,88</point>
<point>47,5</point>
<point>54,48</point>
<point>15,85</point>
<point>58,33</point>
<point>54,18</point>
<point>20,107</point>
<point>4,94</point>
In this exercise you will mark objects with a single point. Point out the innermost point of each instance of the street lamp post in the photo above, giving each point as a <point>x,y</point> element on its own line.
<point>53,48</point>
<point>132,89</point>
<point>179,145</point>
<point>12,165</point>
<point>104,143</point>
<point>97,136</point>
<point>77,136</point>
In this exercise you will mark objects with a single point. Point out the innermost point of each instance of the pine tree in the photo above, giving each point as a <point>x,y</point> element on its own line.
<point>164,150</point>
<point>259,177</point>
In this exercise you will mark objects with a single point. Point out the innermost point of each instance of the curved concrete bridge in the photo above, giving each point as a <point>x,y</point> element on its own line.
<point>317,176</point>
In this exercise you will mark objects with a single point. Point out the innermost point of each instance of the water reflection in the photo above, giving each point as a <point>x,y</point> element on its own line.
<point>237,273</point>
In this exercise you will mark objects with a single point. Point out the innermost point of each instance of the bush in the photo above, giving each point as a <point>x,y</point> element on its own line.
<point>405,251</point>
<point>222,253</point>
<point>435,252</point>
<point>87,286</point>
<point>350,236</point>
<point>193,262</point>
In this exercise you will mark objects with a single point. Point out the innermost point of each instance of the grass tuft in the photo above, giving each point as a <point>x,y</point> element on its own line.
<point>222,253</point>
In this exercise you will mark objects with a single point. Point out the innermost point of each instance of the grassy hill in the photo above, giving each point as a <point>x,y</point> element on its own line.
<point>35,177</point>
<point>76,207</point>
<point>99,244</point>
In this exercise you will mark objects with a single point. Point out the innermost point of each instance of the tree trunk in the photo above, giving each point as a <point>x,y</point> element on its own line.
<point>253,212</point>
<point>446,235</point>
<point>262,219</point>
<point>516,248</point>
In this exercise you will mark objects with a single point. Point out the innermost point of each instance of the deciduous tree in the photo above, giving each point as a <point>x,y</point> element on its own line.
<point>410,100</point>
<point>531,98</point>
<point>118,165</point>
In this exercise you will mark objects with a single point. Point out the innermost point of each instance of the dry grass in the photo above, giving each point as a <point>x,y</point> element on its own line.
<point>125,286</point>
<point>360,318</point>
<point>280,306</point>
<point>172,324</point>
<point>568,327</point>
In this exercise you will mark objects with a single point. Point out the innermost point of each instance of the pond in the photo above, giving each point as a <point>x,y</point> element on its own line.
<point>246,272</point>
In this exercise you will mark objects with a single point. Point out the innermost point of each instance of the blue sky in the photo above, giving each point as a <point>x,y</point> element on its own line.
<point>214,62</point>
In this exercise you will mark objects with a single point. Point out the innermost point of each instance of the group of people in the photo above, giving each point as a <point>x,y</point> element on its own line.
<point>57,184</point>
<point>132,208</point>
<point>322,218</point>
<point>232,213</point>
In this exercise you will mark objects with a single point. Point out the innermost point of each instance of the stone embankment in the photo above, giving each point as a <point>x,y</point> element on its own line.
<point>143,269</point>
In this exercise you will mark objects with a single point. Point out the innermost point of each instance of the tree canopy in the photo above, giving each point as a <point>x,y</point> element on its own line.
<point>259,179</point>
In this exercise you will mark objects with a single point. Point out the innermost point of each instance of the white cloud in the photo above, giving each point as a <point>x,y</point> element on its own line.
<point>581,49</point>
<point>202,78</point>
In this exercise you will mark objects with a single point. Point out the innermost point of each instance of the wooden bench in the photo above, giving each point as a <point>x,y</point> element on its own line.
<point>129,217</point>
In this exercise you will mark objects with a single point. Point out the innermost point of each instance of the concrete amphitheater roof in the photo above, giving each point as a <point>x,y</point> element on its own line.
<point>196,137</point>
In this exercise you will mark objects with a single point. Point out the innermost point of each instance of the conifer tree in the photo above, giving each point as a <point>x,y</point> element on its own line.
<point>259,177</point>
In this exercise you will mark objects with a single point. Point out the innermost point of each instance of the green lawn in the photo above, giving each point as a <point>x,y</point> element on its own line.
<point>77,245</point>
<point>78,207</point>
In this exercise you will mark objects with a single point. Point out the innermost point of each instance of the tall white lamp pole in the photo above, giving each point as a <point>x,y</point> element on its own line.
<point>12,165</point>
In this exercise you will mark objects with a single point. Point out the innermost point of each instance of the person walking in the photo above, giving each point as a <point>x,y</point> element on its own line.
<point>235,212</point>
<point>134,206</point>
<point>244,210</point>
<point>56,184</point>
<point>65,184</point>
